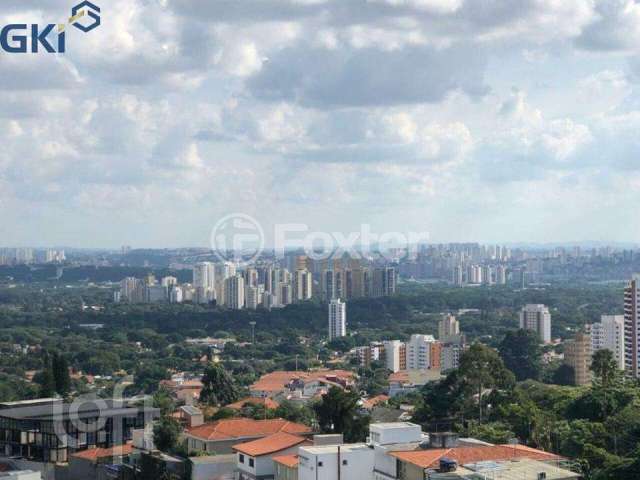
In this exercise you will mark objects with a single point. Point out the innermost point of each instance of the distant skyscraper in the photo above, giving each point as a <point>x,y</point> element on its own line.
<point>204,282</point>
<point>234,292</point>
<point>501,275</point>
<point>384,282</point>
<point>302,285</point>
<point>458,276</point>
<point>337,319</point>
<point>254,297</point>
<point>536,317</point>
<point>632,326</point>
<point>448,327</point>
<point>609,334</point>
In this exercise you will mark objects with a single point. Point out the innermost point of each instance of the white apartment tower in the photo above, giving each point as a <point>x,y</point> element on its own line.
<point>395,355</point>
<point>337,319</point>
<point>302,285</point>
<point>609,334</point>
<point>420,350</point>
<point>536,317</point>
<point>631,327</point>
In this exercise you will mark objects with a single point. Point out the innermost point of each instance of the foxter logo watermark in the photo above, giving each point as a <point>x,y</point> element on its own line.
<point>239,238</point>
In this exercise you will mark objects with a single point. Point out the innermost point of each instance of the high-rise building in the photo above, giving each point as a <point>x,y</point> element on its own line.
<point>395,353</point>
<point>204,281</point>
<point>632,327</point>
<point>234,292</point>
<point>302,285</point>
<point>536,317</point>
<point>337,319</point>
<point>423,352</point>
<point>577,354</point>
<point>285,296</point>
<point>132,290</point>
<point>328,284</point>
<point>609,334</point>
<point>501,275</point>
<point>458,276</point>
<point>448,327</point>
<point>384,282</point>
<point>254,297</point>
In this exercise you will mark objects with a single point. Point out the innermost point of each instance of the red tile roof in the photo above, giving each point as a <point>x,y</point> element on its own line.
<point>236,428</point>
<point>290,461</point>
<point>266,402</point>
<point>369,403</point>
<point>466,455</point>
<point>277,381</point>
<point>271,444</point>
<point>94,454</point>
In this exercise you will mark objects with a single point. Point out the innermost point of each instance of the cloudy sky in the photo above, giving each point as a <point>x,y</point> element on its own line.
<point>483,120</point>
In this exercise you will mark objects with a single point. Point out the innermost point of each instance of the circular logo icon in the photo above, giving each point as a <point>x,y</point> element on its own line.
<point>237,238</point>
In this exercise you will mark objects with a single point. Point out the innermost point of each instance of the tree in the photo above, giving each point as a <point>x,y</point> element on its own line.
<point>218,387</point>
<point>162,400</point>
<point>482,368</point>
<point>337,412</point>
<point>166,434</point>
<point>521,353</point>
<point>47,383</point>
<point>605,368</point>
<point>61,376</point>
<point>564,375</point>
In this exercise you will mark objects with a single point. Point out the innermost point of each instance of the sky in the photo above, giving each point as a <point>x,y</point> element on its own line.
<point>491,121</point>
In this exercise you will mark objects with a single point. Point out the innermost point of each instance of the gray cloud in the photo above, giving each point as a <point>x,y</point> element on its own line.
<point>328,78</point>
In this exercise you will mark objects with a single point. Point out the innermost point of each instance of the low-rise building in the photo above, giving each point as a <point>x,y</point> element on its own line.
<point>333,462</point>
<point>220,437</point>
<point>300,385</point>
<point>255,459</point>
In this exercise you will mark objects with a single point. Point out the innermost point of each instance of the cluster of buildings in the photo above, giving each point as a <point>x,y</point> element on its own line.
<point>480,275</point>
<point>28,256</point>
<point>280,450</point>
<point>421,352</point>
<point>269,285</point>
<point>619,334</point>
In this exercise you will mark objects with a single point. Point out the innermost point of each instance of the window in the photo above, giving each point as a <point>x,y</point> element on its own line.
<point>319,464</point>
<point>344,462</point>
<point>251,462</point>
<point>241,458</point>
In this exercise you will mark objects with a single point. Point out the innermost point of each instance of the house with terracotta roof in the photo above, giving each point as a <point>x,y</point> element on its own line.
<point>286,467</point>
<point>301,385</point>
<point>265,402</point>
<point>91,463</point>
<point>465,462</point>
<point>255,459</point>
<point>223,435</point>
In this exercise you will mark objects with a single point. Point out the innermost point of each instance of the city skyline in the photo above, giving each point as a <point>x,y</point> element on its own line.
<point>501,123</point>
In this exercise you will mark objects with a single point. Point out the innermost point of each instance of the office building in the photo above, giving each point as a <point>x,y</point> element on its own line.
<point>536,317</point>
<point>44,431</point>
<point>337,319</point>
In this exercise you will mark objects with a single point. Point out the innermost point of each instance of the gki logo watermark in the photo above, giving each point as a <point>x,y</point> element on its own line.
<point>18,37</point>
